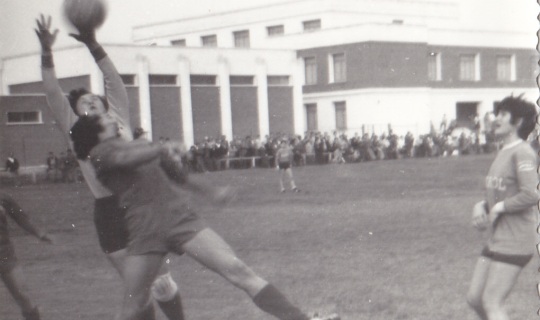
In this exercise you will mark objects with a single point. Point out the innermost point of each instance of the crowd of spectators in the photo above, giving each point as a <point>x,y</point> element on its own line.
<point>62,168</point>
<point>322,148</point>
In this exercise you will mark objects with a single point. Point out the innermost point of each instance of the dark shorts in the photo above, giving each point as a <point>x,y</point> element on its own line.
<point>111,226</point>
<point>284,165</point>
<point>151,235</point>
<point>520,260</point>
<point>8,260</point>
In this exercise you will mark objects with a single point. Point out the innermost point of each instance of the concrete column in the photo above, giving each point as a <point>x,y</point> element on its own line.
<point>225,98</point>
<point>97,84</point>
<point>3,85</point>
<point>262,97</point>
<point>185,98</point>
<point>298,103</point>
<point>145,113</point>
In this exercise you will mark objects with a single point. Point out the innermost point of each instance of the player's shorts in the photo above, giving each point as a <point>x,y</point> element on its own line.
<point>520,260</point>
<point>111,226</point>
<point>8,260</point>
<point>284,165</point>
<point>164,233</point>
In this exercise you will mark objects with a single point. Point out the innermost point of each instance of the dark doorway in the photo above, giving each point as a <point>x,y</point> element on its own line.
<point>465,113</point>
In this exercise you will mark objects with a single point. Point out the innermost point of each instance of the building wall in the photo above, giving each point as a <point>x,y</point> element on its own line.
<point>67,84</point>
<point>206,112</point>
<point>371,64</point>
<point>406,109</point>
<point>488,67</point>
<point>30,143</point>
<point>245,116</point>
<point>166,112</point>
<point>133,97</point>
<point>399,65</point>
<point>333,15</point>
<point>280,110</point>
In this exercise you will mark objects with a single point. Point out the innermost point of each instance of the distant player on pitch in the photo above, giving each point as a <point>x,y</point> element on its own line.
<point>10,271</point>
<point>509,211</point>
<point>283,162</point>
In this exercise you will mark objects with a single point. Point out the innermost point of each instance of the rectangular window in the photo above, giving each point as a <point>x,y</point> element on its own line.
<point>209,41</point>
<point>469,67</point>
<point>434,66</point>
<point>311,116</point>
<point>162,80</point>
<point>241,39</point>
<point>506,68</point>
<point>312,25</point>
<point>128,79</point>
<point>202,80</point>
<point>337,68</point>
<point>179,42</point>
<point>341,115</point>
<point>278,80</point>
<point>24,117</point>
<point>274,31</point>
<point>241,80</point>
<point>310,70</point>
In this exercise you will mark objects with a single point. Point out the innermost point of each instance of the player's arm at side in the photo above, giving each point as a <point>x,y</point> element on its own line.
<point>13,210</point>
<point>524,162</point>
<point>277,157</point>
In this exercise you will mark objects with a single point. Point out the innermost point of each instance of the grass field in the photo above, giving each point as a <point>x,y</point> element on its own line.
<point>372,241</point>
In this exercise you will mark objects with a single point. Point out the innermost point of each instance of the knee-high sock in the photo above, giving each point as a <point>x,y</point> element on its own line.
<point>148,313</point>
<point>173,308</point>
<point>272,301</point>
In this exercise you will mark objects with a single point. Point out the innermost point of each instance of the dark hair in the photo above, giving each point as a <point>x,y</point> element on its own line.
<point>75,94</point>
<point>84,135</point>
<point>519,109</point>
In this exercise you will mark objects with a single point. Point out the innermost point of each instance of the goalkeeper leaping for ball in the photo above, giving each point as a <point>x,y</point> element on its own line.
<point>108,215</point>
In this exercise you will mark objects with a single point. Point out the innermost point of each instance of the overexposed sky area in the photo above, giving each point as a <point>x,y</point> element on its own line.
<point>17,17</point>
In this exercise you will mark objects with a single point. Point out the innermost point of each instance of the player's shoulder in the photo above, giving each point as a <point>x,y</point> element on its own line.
<point>525,149</point>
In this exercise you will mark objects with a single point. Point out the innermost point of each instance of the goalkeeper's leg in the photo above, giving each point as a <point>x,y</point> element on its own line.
<point>165,292</point>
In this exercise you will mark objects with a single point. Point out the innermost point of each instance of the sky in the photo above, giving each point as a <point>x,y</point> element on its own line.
<point>17,18</point>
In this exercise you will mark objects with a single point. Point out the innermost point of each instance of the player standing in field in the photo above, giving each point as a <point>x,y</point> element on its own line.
<point>509,211</point>
<point>108,215</point>
<point>10,271</point>
<point>283,162</point>
<point>161,221</point>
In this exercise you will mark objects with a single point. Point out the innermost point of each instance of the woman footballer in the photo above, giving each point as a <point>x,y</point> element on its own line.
<point>508,211</point>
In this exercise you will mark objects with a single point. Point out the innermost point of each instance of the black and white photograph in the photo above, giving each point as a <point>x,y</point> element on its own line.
<point>269,159</point>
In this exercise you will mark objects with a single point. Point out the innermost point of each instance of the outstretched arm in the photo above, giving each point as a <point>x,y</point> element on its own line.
<point>114,86</point>
<point>125,154</point>
<point>56,100</point>
<point>11,208</point>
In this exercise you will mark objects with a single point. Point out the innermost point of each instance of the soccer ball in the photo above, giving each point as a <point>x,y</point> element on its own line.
<point>85,14</point>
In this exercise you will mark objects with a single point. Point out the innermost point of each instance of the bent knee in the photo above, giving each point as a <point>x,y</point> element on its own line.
<point>474,301</point>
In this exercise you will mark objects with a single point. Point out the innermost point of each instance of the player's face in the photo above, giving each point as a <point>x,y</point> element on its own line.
<point>502,126</point>
<point>90,105</point>
<point>110,127</point>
